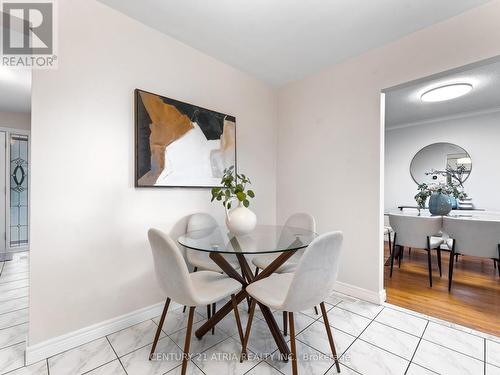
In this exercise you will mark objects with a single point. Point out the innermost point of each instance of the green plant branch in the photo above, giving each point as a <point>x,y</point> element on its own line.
<point>234,186</point>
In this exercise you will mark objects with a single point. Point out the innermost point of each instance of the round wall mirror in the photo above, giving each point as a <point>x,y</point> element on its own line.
<point>430,164</point>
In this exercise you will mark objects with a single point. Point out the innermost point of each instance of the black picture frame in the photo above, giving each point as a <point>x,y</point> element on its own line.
<point>139,136</point>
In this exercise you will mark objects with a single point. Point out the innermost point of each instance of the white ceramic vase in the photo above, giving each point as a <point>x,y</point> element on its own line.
<point>240,220</point>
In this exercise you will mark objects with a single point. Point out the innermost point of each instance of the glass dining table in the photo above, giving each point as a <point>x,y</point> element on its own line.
<point>264,239</point>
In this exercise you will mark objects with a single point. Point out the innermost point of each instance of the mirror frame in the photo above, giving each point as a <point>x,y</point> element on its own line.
<point>438,143</point>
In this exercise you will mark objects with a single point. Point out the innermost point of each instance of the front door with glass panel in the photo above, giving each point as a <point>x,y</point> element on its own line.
<point>18,191</point>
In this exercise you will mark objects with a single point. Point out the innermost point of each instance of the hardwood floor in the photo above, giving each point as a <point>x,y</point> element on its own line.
<point>474,300</point>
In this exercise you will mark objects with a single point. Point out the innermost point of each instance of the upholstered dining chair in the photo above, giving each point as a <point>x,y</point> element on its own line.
<point>309,285</point>
<point>479,238</point>
<point>200,260</point>
<point>190,289</point>
<point>297,220</point>
<point>418,232</point>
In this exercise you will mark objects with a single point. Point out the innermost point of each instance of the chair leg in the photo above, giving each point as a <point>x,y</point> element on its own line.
<point>390,247</point>
<point>160,326</point>
<point>293,349</point>
<point>316,310</point>
<point>247,331</point>
<point>393,253</point>
<point>401,255</point>
<point>237,317</point>
<point>209,312</point>
<point>256,271</point>
<point>330,336</point>
<point>214,305</point>
<point>439,261</point>
<point>187,342</point>
<point>285,323</point>
<point>450,267</point>
<point>409,251</point>
<point>429,260</point>
<point>498,264</point>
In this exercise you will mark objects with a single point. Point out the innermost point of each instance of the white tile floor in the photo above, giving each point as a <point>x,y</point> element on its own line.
<point>372,340</point>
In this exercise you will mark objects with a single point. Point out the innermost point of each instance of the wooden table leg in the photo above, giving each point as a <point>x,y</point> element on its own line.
<point>248,275</point>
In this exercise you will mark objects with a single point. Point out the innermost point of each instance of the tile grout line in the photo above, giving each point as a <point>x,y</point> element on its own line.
<point>114,351</point>
<point>484,356</point>
<point>14,325</point>
<point>439,321</point>
<point>357,337</point>
<point>398,329</point>
<point>416,348</point>
<point>453,350</point>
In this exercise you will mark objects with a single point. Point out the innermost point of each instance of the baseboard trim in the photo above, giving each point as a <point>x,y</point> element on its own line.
<point>364,294</point>
<point>56,345</point>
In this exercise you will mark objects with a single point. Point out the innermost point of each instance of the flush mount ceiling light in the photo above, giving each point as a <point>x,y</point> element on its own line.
<point>446,92</point>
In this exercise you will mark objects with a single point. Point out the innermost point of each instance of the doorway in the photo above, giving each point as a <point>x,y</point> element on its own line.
<point>14,182</point>
<point>445,148</point>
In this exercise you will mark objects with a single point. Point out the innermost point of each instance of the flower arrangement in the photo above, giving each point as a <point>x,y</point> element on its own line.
<point>233,187</point>
<point>425,191</point>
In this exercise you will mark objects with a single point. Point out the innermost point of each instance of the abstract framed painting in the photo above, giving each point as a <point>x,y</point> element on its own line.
<point>178,144</point>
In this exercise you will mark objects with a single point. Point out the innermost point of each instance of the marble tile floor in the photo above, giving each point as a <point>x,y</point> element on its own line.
<point>371,340</point>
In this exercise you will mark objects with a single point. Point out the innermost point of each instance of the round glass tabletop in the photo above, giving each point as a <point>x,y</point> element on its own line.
<point>263,239</point>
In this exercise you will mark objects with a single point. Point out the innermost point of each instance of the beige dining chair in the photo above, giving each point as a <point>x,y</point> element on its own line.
<point>297,220</point>
<point>417,232</point>
<point>189,289</point>
<point>200,260</point>
<point>479,238</point>
<point>309,285</point>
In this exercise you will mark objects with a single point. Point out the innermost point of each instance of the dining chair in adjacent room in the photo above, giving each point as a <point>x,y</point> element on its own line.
<point>200,260</point>
<point>418,232</point>
<point>200,288</point>
<point>479,238</point>
<point>309,285</point>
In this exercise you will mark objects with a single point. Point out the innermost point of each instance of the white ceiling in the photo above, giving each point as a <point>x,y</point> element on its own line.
<point>283,40</point>
<point>15,90</point>
<point>404,106</point>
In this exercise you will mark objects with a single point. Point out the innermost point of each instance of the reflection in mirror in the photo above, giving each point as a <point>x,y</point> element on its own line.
<point>431,164</point>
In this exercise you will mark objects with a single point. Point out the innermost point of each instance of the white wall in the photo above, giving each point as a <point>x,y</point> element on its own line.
<point>90,258</point>
<point>15,120</point>
<point>330,153</point>
<point>479,135</point>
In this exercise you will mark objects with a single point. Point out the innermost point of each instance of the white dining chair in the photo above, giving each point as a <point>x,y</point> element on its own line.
<point>297,220</point>
<point>190,289</point>
<point>200,260</point>
<point>479,238</point>
<point>309,285</point>
<point>417,232</point>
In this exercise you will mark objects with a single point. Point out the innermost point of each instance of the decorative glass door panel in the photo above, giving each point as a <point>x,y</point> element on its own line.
<point>19,221</point>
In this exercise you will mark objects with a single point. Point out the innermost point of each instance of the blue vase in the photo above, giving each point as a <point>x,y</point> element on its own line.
<point>454,203</point>
<point>440,204</point>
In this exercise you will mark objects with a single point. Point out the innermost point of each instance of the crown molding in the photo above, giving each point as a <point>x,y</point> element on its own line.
<point>445,118</point>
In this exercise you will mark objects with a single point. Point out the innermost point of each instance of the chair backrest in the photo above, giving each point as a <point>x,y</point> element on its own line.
<point>195,222</point>
<point>170,268</point>
<point>412,231</point>
<point>474,237</point>
<point>315,274</point>
<point>302,221</point>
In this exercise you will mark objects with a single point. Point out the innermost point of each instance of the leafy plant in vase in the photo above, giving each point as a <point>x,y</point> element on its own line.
<point>440,202</point>
<point>239,220</point>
